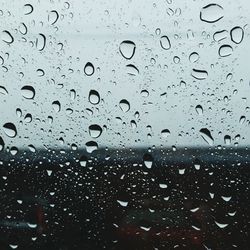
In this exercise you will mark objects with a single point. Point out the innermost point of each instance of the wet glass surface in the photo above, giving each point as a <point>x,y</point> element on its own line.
<point>124,125</point>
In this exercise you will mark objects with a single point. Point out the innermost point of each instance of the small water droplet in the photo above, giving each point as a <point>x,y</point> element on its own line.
<point>148,160</point>
<point>53,17</point>
<point>165,133</point>
<point>199,109</point>
<point>206,135</point>
<point>227,139</point>
<point>165,43</point>
<point>1,143</point>
<point>221,225</point>
<point>132,70</point>
<point>91,146</point>
<point>194,57</point>
<point>10,129</point>
<point>83,161</point>
<point>28,9</point>
<point>7,37</point>
<point>56,106</point>
<point>124,105</point>
<point>28,92</point>
<point>122,203</point>
<point>237,34</point>
<point>225,50</point>
<point>89,69</point>
<point>199,74</point>
<point>127,49</point>
<point>95,130</point>
<point>41,42</point>
<point>3,90</point>
<point>94,97</point>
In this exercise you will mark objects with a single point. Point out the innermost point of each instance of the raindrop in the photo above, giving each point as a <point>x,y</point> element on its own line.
<point>94,97</point>
<point>89,69</point>
<point>194,57</point>
<point>56,106</point>
<point>225,50</point>
<point>32,148</point>
<point>227,139</point>
<point>28,118</point>
<point>199,74</point>
<point>10,129</point>
<point>95,130</point>
<point>211,13</point>
<point>91,146</point>
<point>41,42</point>
<point>72,94</point>
<point>53,17</point>
<point>14,150</point>
<point>206,135</point>
<point>165,43</point>
<point>28,92</point>
<point>242,119</point>
<point>165,133</point>
<point>220,35</point>
<point>162,185</point>
<point>83,161</point>
<point>124,105</point>
<point>13,246</point>
<point>127,49</point>
<point>148,160</point>
<point>122,203</point>
<point>7,37</point>
<point>199,109</point>
<point>132,70</point>
<point>1,143</point>
<point>144,93</point>
<point>40,72</point>
<point>221,225</point>
<point>237,34</point>
<point>23,29</point>
<point>3,90</point>
<point>28,9</point>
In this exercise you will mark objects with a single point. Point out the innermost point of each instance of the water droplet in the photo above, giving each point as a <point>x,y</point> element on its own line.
<point>89,69</point>
<point>3,90</point>
<point>32,148</point>
<point>162,185</point>
<point>199,74</point>
<point>225,50</point>
<point>13,246</point>
<point>226,198</point>
<point>14,150</point>
<point>144,93</point>
<point>165,133</point>
<point>165,43</point>
<point>94,97</point>
<point>41,42</point>
<point>227,139</point>
<point>28,118</point>
<point>23,29</point>
<point>242,119</point>
<point>95,130</point>
<point>83,161</point>
<point>32,225</point>
<point>194,57</point>
<point>1,143</point>
<point>124,105</point>
<point>206,135</point>
<point>132,70</point>
<point>211,13</point>
<point>148,160</point>
<point>122,203</point>
<point>220,35</point>
<point>10,129</point>
<point>7,37</point>
<point>91,146</point>
<point>28,92</point>
<point>40,72</point>
<point>56,106</point>
<point>237,34</point>
<point>53,17</point>
<point>199,109</point>
<point>28,9</point>
<point>221,225</point>
<point>127,49</point>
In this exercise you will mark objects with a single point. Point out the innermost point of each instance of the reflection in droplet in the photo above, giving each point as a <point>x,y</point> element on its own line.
<point>165,43</point>
<point>237,34</point>
<point>95,130</point>
<point>124,105</point>
<point>10,129</point>
<point>89,69</point>
<point>199,74</point>
<point>7,37</point>
<point>225,50</point>
<point>211,13</point>
<point>206,135</point>
<point>91,146</point>
<point>1,143</point>
<point>127,49</point>
<point>56,106</point>
<point>148,160</point>
<point>28,92</point>
<point>94,97</point>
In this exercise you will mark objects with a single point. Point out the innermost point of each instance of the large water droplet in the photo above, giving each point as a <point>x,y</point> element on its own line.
<point>165,43</point>
<point>237,34</point>
<point>225,50</point>
<point>28,92</point>
<point>127,49</point>
<point>94,97</point>
<point>10,129</point>
<point>211,13</point>
<point>95,130</point>
<point>124,105</point>
<point>199,74</point>
<point>89,69</point>
<point>206,135</point>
